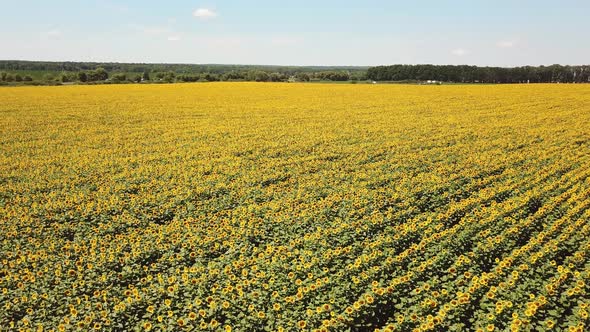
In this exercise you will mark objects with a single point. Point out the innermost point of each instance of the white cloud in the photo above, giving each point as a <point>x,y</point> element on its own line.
<point>506,43</point>
<point>204,13</point>
<point>459,52</point>
<point>52,33</point>
<point>174,38</point>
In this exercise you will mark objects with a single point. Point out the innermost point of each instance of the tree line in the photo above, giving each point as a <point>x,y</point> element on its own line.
<point>47,72</point>
<point>41,72</point>
<point>474,74</point>
<point>9,77</point>
<point>185,69</point>
<point>101,75</point>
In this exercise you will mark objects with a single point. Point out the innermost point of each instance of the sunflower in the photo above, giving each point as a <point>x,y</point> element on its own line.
<point>214,323</point>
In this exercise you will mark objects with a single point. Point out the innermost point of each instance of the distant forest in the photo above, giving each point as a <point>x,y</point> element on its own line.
<point>474,74</point>
<point>13,72</point>
<point>97,72</point>
<point>164,67</point>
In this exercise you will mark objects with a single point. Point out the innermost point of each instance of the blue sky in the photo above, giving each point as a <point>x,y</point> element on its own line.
<point>369,32</point>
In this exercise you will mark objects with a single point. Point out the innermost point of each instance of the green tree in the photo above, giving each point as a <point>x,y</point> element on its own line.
<point>303,77</point>
<point>82,77</point>
<point>99,74</point>
<point>169,77</point>
<point>258,76</point>
<point>49,77</point>
<point>120,77</point>
<point>145,76</point>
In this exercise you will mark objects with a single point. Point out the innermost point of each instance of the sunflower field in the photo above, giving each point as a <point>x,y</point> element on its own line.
<point>295,207</point>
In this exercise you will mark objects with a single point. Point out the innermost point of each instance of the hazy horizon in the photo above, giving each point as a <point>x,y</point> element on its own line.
<point>291,65</point>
